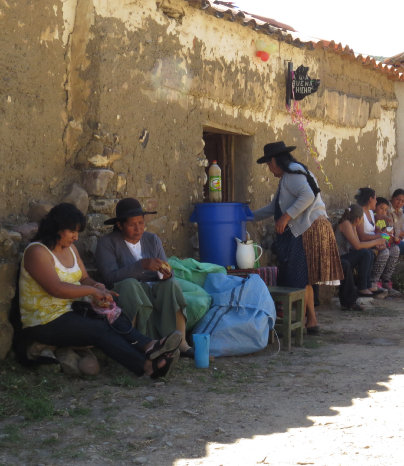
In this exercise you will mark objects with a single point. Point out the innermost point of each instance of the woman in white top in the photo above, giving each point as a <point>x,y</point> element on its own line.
<point>357,253</point>
<point>386,258</point>
<point>53,277</point>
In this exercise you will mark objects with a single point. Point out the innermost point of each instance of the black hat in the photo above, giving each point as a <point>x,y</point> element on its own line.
<point>273,149</point>
<point>125,208</point>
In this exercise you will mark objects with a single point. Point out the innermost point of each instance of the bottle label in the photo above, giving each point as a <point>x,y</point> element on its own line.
<point>215,183</point>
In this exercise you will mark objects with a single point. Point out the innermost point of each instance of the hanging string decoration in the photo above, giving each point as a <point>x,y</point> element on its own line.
<point>301,122</point>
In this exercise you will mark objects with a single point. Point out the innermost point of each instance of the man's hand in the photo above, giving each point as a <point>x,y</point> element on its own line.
<point>158,265</point>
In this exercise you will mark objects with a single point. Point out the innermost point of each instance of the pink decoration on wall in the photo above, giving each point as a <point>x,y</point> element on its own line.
<point>301,122</point>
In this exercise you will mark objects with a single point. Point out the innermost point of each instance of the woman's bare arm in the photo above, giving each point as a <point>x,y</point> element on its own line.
<point>351,235</point>
<point>40,265</point>
<point>365,236</point>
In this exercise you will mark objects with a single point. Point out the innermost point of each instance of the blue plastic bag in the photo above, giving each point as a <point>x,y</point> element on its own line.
<point>241,315</point>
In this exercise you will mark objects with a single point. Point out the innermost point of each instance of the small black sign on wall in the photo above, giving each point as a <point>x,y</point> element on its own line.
<point>299,84</point>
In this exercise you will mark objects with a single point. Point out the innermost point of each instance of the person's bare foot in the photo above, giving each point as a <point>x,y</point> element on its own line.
<point>148,366</point>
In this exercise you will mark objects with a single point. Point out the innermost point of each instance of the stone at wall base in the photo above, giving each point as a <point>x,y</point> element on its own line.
<point>78,197</point>
<point>6,338</point>
<point>38,210</point>
<point>27,231</point>
<point>96,181</point>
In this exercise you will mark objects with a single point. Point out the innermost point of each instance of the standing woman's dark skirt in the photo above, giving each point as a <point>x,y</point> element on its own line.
<point>309,258</point>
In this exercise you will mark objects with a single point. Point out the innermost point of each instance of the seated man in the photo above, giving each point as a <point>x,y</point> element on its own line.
<point>134,263</point>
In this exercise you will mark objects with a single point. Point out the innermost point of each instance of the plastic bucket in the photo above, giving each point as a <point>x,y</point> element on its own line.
<point>218,224</point>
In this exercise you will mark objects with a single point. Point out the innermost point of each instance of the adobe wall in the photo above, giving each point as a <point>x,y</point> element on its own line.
<point>113,97</point>
<point>397,180</point>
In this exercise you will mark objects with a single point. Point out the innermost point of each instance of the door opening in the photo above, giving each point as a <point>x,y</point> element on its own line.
<point>233,153</point>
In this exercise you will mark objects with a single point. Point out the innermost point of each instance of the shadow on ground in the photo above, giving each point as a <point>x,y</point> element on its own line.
<point>119,419</point>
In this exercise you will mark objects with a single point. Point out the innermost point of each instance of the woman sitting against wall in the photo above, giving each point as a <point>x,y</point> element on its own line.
<point>385,258</point>
<point>354,253</point>
<point>53,277</point>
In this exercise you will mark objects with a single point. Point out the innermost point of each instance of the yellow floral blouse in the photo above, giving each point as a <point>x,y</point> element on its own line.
<point>36,305</point>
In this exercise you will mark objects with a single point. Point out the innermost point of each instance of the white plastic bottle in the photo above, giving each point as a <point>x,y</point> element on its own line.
<point>215,183</point>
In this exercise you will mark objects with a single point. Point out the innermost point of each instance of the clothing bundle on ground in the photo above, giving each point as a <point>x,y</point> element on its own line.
<point>191,275</point>
<point>241,315</point>
<point>237,312</point>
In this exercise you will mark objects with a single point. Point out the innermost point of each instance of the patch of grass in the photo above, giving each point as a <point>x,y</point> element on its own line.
<point>156,403</point>
<point>79,411</point>
<point>50,442</point>
<point>219,375</point>
<point>202,378</point>
<point>101,430</point>
<point>68,453</point>
<point>28,393</point>
<point>312,344</point>
<point>12,435</point>
<point>223,389</point>
<point>125,380</point>
<point>37,407</point>
<point>137,444</point>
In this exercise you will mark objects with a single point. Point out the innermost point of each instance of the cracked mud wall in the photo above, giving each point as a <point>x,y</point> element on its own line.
<point>127,87</point>
<point>32,104</point>
<point>105,99</point>
<point>398,162</point>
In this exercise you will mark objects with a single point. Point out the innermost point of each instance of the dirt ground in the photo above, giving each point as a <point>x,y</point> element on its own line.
<point>336,400</point>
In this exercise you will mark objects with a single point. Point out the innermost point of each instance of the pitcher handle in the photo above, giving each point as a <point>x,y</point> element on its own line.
<point>258,246</point>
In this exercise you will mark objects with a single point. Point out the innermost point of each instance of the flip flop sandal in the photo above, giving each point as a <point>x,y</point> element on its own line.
<point>366,295</point>
<point>313,330</point>
<point>167,368</point>
<point>378,291</point>
<point>189,353</point>
<point>169,344</point>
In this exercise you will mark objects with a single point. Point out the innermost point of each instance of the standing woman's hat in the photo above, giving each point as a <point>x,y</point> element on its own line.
<point>273,149</point>
<point>125,208</point>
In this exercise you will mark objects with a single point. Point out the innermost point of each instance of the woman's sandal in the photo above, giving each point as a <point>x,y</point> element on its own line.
<point>188,353</point>
<point>378,291</point>
<point>169,344</point>
<point>366,295</point>
<point>313,330</point>
<point>166,369</point>
<point>353,307</point>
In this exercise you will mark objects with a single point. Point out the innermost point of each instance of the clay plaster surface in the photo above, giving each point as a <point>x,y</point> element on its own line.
<point>398,162</point>
<point>122,67</point>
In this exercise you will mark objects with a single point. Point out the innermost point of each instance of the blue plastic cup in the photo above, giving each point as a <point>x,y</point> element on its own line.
<point>201,348</point>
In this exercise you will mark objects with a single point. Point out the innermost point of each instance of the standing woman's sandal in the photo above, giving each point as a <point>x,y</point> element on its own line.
<point>169,344</point>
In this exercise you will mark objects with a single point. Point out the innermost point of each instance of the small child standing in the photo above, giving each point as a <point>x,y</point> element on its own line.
<point>383,220</point>
<point>384,225</point>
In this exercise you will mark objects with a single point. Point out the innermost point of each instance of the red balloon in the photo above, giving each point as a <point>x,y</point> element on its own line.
<point>259,53</point>
<point>264,56</point>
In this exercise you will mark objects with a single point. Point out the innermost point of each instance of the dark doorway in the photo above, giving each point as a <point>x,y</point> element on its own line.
<point>233,154</point>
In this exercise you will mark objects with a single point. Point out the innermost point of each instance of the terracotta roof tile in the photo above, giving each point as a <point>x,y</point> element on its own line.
<point>285,33</point>
<point>397,61</point>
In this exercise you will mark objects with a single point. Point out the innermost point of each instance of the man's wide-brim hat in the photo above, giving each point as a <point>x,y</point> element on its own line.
<point>126,208</point>
<point>274,149</point>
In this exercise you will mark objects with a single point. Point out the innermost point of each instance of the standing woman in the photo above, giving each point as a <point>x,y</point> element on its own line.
<point>386,258</point>
<point>305,243</point>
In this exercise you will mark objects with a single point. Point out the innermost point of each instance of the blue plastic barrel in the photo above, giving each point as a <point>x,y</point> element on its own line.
<point>218,224</point>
